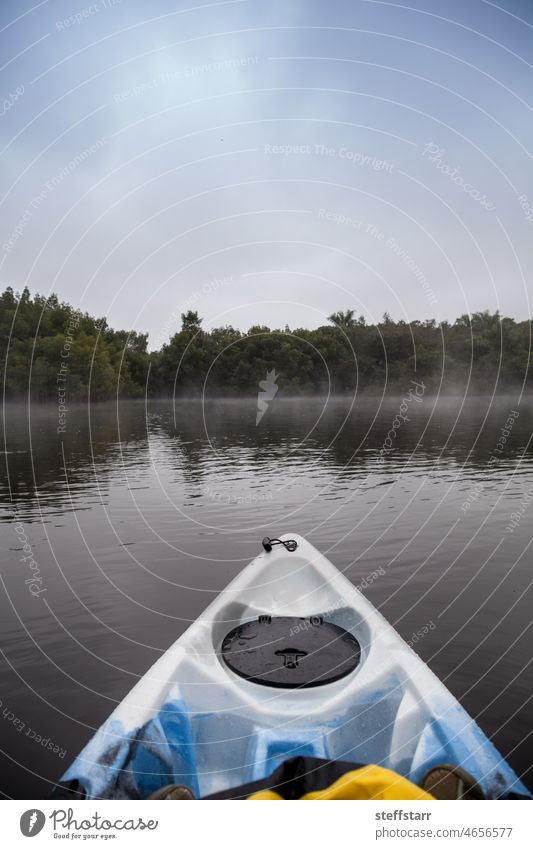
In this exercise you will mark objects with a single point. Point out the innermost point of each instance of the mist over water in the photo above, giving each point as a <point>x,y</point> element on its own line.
<point>139,514</point>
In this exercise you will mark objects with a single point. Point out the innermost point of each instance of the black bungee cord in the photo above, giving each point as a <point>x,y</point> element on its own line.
<point>290,544</point>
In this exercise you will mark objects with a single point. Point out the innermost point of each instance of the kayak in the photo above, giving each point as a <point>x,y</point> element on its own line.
<point>290,660</point>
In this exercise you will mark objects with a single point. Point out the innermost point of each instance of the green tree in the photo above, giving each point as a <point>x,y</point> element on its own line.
<point>344,319</point>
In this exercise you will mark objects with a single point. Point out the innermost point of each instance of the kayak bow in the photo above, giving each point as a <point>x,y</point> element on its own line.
<point>291,659</point>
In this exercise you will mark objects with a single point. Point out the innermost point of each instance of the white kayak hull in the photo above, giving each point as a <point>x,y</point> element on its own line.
<point>191,720</point>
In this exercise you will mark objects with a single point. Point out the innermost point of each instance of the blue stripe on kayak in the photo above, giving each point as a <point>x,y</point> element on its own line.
<point>176,747</point>
<point>117,764</point>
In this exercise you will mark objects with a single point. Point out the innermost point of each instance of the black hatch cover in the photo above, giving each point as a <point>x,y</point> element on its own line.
<point>288,651</point>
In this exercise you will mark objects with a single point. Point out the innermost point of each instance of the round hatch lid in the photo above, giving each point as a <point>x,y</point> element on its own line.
<point>290,652</point>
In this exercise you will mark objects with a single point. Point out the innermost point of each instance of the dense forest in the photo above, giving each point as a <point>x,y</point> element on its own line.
<point>48,347</point>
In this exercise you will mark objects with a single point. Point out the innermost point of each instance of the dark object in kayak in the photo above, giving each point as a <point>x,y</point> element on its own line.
<point>291,651</point>
<point>174,793</point>
<point>451,782</point>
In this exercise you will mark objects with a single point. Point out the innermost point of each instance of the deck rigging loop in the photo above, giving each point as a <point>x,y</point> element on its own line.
<point>290,544</point>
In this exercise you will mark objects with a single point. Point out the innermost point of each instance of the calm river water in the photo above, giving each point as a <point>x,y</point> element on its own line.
<point>135,517</point>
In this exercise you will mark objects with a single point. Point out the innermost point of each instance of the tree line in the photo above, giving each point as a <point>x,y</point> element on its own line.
<point>47,345</point>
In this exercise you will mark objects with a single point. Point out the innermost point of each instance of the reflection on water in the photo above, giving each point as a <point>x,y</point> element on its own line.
<point>137,516</point>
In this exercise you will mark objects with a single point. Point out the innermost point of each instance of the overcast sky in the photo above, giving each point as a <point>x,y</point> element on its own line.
<point>268,162</point>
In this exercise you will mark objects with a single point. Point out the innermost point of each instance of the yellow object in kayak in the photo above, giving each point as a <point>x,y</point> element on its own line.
<point>366,782</point>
